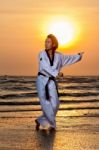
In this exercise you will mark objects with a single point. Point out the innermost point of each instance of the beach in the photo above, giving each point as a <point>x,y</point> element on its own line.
<point>17,132</point>
<point>77,119</point>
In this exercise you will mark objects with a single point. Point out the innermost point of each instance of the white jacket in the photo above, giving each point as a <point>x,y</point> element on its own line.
<point>60,60</point>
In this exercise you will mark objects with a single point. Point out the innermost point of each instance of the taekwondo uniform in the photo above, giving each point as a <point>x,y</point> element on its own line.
<point>47,86</point>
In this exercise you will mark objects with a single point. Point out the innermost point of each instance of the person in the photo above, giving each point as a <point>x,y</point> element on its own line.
<point>50,64</point>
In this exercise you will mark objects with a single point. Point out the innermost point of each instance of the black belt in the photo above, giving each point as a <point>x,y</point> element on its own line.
<point>46,86</point>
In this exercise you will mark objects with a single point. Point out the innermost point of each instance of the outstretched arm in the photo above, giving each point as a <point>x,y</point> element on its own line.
<point>70,59</point>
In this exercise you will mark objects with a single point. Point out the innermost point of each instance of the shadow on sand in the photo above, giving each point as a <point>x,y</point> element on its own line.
<point>45,139</point>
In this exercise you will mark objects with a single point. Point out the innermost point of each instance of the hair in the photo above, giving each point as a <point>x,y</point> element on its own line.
<point>54,41</point>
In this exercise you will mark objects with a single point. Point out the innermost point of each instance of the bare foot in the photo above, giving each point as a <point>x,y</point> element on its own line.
<point>37,124</point>
<point>52,129</point>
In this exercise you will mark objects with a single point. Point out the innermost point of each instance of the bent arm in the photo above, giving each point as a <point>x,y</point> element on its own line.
<point>70,59</point>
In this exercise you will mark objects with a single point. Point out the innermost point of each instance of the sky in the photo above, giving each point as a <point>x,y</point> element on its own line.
<point>24,26</point>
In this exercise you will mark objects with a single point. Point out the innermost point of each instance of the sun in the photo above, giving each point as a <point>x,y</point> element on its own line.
<point>66,29</point>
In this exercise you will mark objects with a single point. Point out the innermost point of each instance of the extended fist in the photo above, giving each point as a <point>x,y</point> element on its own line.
<point>81,53</point>
<point>60,74</point>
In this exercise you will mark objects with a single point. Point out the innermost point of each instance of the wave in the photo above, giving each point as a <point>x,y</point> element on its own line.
<point>60,109</point>
<point>20,103</point>
<point>79,87</point>
<point>34,94</point>
<point>38,102</point>
<point>79,94</point>
<point>16,88</point>
<point>16,81</point>
<point>22,95</point>
<point>31,79</point>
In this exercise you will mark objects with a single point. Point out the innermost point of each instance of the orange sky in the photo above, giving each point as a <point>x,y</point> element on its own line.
<point>21,34</point>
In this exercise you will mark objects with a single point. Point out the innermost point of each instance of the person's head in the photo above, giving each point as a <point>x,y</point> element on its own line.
<point>51,42</point>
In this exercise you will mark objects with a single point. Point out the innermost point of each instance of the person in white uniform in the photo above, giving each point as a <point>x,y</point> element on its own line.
<point>50,64</point>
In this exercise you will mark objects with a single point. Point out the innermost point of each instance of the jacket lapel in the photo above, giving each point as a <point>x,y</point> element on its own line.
<point>50,60</point>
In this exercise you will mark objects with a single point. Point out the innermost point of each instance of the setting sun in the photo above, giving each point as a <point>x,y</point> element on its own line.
<point>64,31</point>
<point>64,28</point>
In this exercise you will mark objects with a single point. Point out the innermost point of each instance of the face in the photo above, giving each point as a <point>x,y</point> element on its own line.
<point>48,43</point>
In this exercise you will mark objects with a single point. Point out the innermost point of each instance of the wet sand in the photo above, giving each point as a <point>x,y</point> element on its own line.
<point>17,132</point>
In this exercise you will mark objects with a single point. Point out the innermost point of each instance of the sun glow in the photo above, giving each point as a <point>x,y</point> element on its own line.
<point>66,30</point>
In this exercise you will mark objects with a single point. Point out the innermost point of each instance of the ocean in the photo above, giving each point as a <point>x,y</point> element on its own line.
<point>79,95</point>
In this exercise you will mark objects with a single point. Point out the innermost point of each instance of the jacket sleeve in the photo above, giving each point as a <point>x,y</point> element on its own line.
<point>47,68</point>
<point>70,59</point>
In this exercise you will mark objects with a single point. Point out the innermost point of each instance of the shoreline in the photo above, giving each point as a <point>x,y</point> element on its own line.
<point>17,132</point>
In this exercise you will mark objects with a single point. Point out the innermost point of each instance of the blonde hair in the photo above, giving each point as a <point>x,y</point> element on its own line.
<point>54,41</point>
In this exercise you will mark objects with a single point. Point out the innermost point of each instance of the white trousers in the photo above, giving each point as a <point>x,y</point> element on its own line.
<point>49,108</point>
